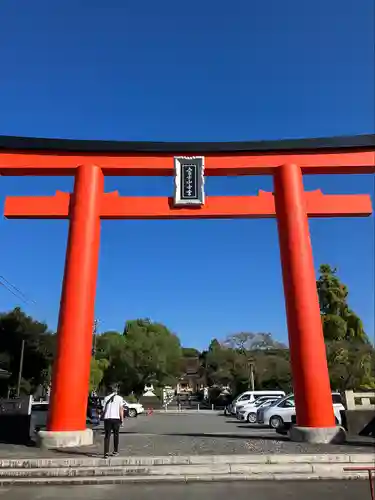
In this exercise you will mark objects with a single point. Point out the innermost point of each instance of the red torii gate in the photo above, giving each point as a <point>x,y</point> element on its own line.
<point>90,161</point>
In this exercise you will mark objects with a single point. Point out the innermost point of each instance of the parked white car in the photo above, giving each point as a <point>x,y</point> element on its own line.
<point>247,404</point>
<point>281,412</point>
<point>248,412</point>
<point>133,409</point>
<point>250,397</point>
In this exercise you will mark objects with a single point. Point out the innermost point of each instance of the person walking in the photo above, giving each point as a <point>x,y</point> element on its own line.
<point>113,415</point>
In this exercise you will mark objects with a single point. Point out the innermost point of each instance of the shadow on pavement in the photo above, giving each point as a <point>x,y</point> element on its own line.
<point>275,437</point>
<point>361,444</point>
<point>267,437</point>
<point>239,422</point>
<point>28,444</point>
<point>81,453</point>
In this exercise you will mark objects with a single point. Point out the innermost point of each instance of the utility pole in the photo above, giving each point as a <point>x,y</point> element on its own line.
<point>94,333</point>
<point>20,368</point>
<point>251,375</point>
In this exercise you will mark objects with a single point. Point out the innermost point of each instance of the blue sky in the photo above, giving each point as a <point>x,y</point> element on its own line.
<point>208,70</point>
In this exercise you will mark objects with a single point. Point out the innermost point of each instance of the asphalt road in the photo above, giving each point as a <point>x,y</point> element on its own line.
<point>277,490</point>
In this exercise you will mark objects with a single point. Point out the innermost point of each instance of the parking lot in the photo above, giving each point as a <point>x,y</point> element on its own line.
<point>199,433</point>
<point>187,434</point>
<point>210,433</point>
<point>190,423</point>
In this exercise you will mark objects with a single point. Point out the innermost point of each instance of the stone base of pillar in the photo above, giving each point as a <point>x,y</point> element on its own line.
<point>318,435</point>
<point>65,439</point>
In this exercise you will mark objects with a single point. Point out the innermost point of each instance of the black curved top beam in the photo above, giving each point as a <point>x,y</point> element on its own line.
<point>358,142</point>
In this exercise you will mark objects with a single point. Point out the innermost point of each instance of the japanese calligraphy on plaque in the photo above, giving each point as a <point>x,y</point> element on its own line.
<point>189,180</point>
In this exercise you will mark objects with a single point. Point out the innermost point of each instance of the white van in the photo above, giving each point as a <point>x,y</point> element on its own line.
<point>250,397</point>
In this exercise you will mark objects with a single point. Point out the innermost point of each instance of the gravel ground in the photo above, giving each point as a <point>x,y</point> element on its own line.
<point>212,435</point>
<point>223,445</point>
<point>203,434</point>
<point>280,490</point>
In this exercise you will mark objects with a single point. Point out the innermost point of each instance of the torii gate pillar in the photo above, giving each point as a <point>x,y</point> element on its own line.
<point>71,371</point>
<point>307,349</point>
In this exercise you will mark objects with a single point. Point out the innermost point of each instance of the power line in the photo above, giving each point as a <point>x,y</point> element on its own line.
<point>11,291</point>
<point>15,290</point>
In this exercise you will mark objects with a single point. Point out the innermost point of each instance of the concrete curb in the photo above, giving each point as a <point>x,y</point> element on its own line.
<point>119,470</point>
<point>287,459</point>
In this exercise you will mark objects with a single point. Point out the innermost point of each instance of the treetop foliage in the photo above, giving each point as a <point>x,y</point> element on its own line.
<point>339,321</point>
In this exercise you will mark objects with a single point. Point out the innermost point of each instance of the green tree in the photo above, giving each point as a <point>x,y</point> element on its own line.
<point>153,354</point>
<point>339,321</point>
<point>350,354</point>
<point>111,347</point>
<point>98,367</point>
<point>219,364</point>
<point>40,345</point>
<point>351,365</point>
<point>146,352</point>
<point>273,370</point>
<point>229,363</point>
<point>190,352</point>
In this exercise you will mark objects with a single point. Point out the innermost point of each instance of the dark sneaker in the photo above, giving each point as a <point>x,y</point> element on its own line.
<point>106,456</point>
